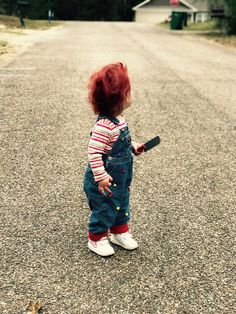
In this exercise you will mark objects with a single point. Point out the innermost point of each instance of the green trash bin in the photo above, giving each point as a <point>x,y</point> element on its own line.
<point>185,19</point>
<point>178,20</point>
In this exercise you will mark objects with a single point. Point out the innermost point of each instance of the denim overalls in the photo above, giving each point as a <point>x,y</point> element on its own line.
<point>113,208</point>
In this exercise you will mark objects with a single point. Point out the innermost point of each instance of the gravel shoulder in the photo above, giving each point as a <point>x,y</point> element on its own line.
<point>16,40</point>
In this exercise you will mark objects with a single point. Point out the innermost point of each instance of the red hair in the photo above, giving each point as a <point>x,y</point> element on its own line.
<point>109,89</point>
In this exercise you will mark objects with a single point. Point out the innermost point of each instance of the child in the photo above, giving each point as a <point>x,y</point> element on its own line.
<point>109,172</point>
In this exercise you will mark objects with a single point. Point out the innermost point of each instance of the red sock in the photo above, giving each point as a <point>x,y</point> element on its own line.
<point>97,236</point>
<point>119,229</point>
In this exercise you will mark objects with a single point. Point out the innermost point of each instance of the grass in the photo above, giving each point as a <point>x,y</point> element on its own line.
<point>13,22</point>
<point>164,25</point>
<point>9,21</point>
<point>40,24</point>
<point>228,40</point>
<point>11,25</point>
<point>200,27</point>
<point>209,30</point>
<point>203,27</point>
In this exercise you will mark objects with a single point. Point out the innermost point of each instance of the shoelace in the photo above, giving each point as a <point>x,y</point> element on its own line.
<point>103,241</point>
<point>126,235</point>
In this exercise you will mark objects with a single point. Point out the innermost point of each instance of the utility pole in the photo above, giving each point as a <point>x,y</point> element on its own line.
<point>22,5</point>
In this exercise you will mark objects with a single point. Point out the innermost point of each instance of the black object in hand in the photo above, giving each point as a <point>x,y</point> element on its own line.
<point>152,143</point>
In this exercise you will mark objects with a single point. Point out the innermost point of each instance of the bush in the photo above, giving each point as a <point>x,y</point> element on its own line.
<point>231,23</point>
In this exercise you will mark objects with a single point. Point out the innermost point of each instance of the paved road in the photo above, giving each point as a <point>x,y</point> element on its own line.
<point>183,197</point>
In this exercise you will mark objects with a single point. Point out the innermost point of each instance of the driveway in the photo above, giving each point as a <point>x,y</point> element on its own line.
<point>183,193</point>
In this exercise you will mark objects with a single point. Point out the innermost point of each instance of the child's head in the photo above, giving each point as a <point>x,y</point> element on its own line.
<point>109,90</point>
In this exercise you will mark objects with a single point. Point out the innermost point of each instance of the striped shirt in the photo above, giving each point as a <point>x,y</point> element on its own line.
<point>104,134</point>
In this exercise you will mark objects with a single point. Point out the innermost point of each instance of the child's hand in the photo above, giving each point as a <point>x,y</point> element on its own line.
<point>137,148</point>
<point>103,185</point>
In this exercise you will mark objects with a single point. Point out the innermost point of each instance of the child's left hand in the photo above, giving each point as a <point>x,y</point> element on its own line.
<point>137,148</point>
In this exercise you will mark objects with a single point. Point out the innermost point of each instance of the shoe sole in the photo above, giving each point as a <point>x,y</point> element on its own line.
<point>94,251</point>
<point>119,244</point>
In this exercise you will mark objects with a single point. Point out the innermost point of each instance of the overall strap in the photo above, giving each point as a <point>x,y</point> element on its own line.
<point>112,119</point>
<point>116,122</point>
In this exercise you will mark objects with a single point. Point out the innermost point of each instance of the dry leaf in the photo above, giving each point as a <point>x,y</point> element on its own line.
<point>34,308</point>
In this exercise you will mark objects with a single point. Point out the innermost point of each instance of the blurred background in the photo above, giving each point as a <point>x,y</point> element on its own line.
<point>109,10</point>
<point>221,12</point>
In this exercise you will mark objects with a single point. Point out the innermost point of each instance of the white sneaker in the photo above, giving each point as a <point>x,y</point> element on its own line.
<point>101,247</point>
<point>125,240</point>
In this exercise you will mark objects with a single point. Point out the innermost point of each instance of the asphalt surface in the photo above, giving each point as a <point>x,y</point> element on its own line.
<point>183,193</point>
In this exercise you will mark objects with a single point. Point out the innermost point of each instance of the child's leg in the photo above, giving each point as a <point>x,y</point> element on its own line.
<point>102,217</point>
<point>119,230</point>
<point>123,216</point>
<point>123,211</point>
<point>97,236</point>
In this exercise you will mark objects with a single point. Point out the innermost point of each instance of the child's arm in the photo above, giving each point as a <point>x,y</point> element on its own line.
<point>137,148</point>
<point>99,144</point>
<point>96,149</point>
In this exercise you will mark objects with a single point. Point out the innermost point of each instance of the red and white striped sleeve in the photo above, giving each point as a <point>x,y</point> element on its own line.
<point>104,134</point>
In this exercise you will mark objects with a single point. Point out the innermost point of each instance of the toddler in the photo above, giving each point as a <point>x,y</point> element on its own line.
<point>109,173</point>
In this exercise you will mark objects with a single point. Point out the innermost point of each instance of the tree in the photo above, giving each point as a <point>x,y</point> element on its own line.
<point>8,7</point>
<point>231,24</point>
<point>38,9</point>
<point>228,23</point>
<point>95,10</point>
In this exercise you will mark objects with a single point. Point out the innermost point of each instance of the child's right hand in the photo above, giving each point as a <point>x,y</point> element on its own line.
<point>137,148</point>
<point>103,185</point>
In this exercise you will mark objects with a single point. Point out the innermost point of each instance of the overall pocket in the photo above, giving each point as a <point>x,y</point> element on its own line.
<point>110,166</point>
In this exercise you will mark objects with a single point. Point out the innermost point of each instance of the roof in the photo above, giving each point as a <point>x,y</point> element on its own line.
<point>194,5</point>
<point>140,5</point>
<point>200,5</point>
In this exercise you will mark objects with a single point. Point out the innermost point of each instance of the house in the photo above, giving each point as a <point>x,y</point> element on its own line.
<point>156,11</point>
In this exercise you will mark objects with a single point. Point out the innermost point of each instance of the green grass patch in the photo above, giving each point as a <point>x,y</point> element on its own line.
<point>9,21</point>
<point>209,30</point>
<point>164,25</point>
<point>210,25</point>
<point>14,22</point>
<point>40,24</point>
